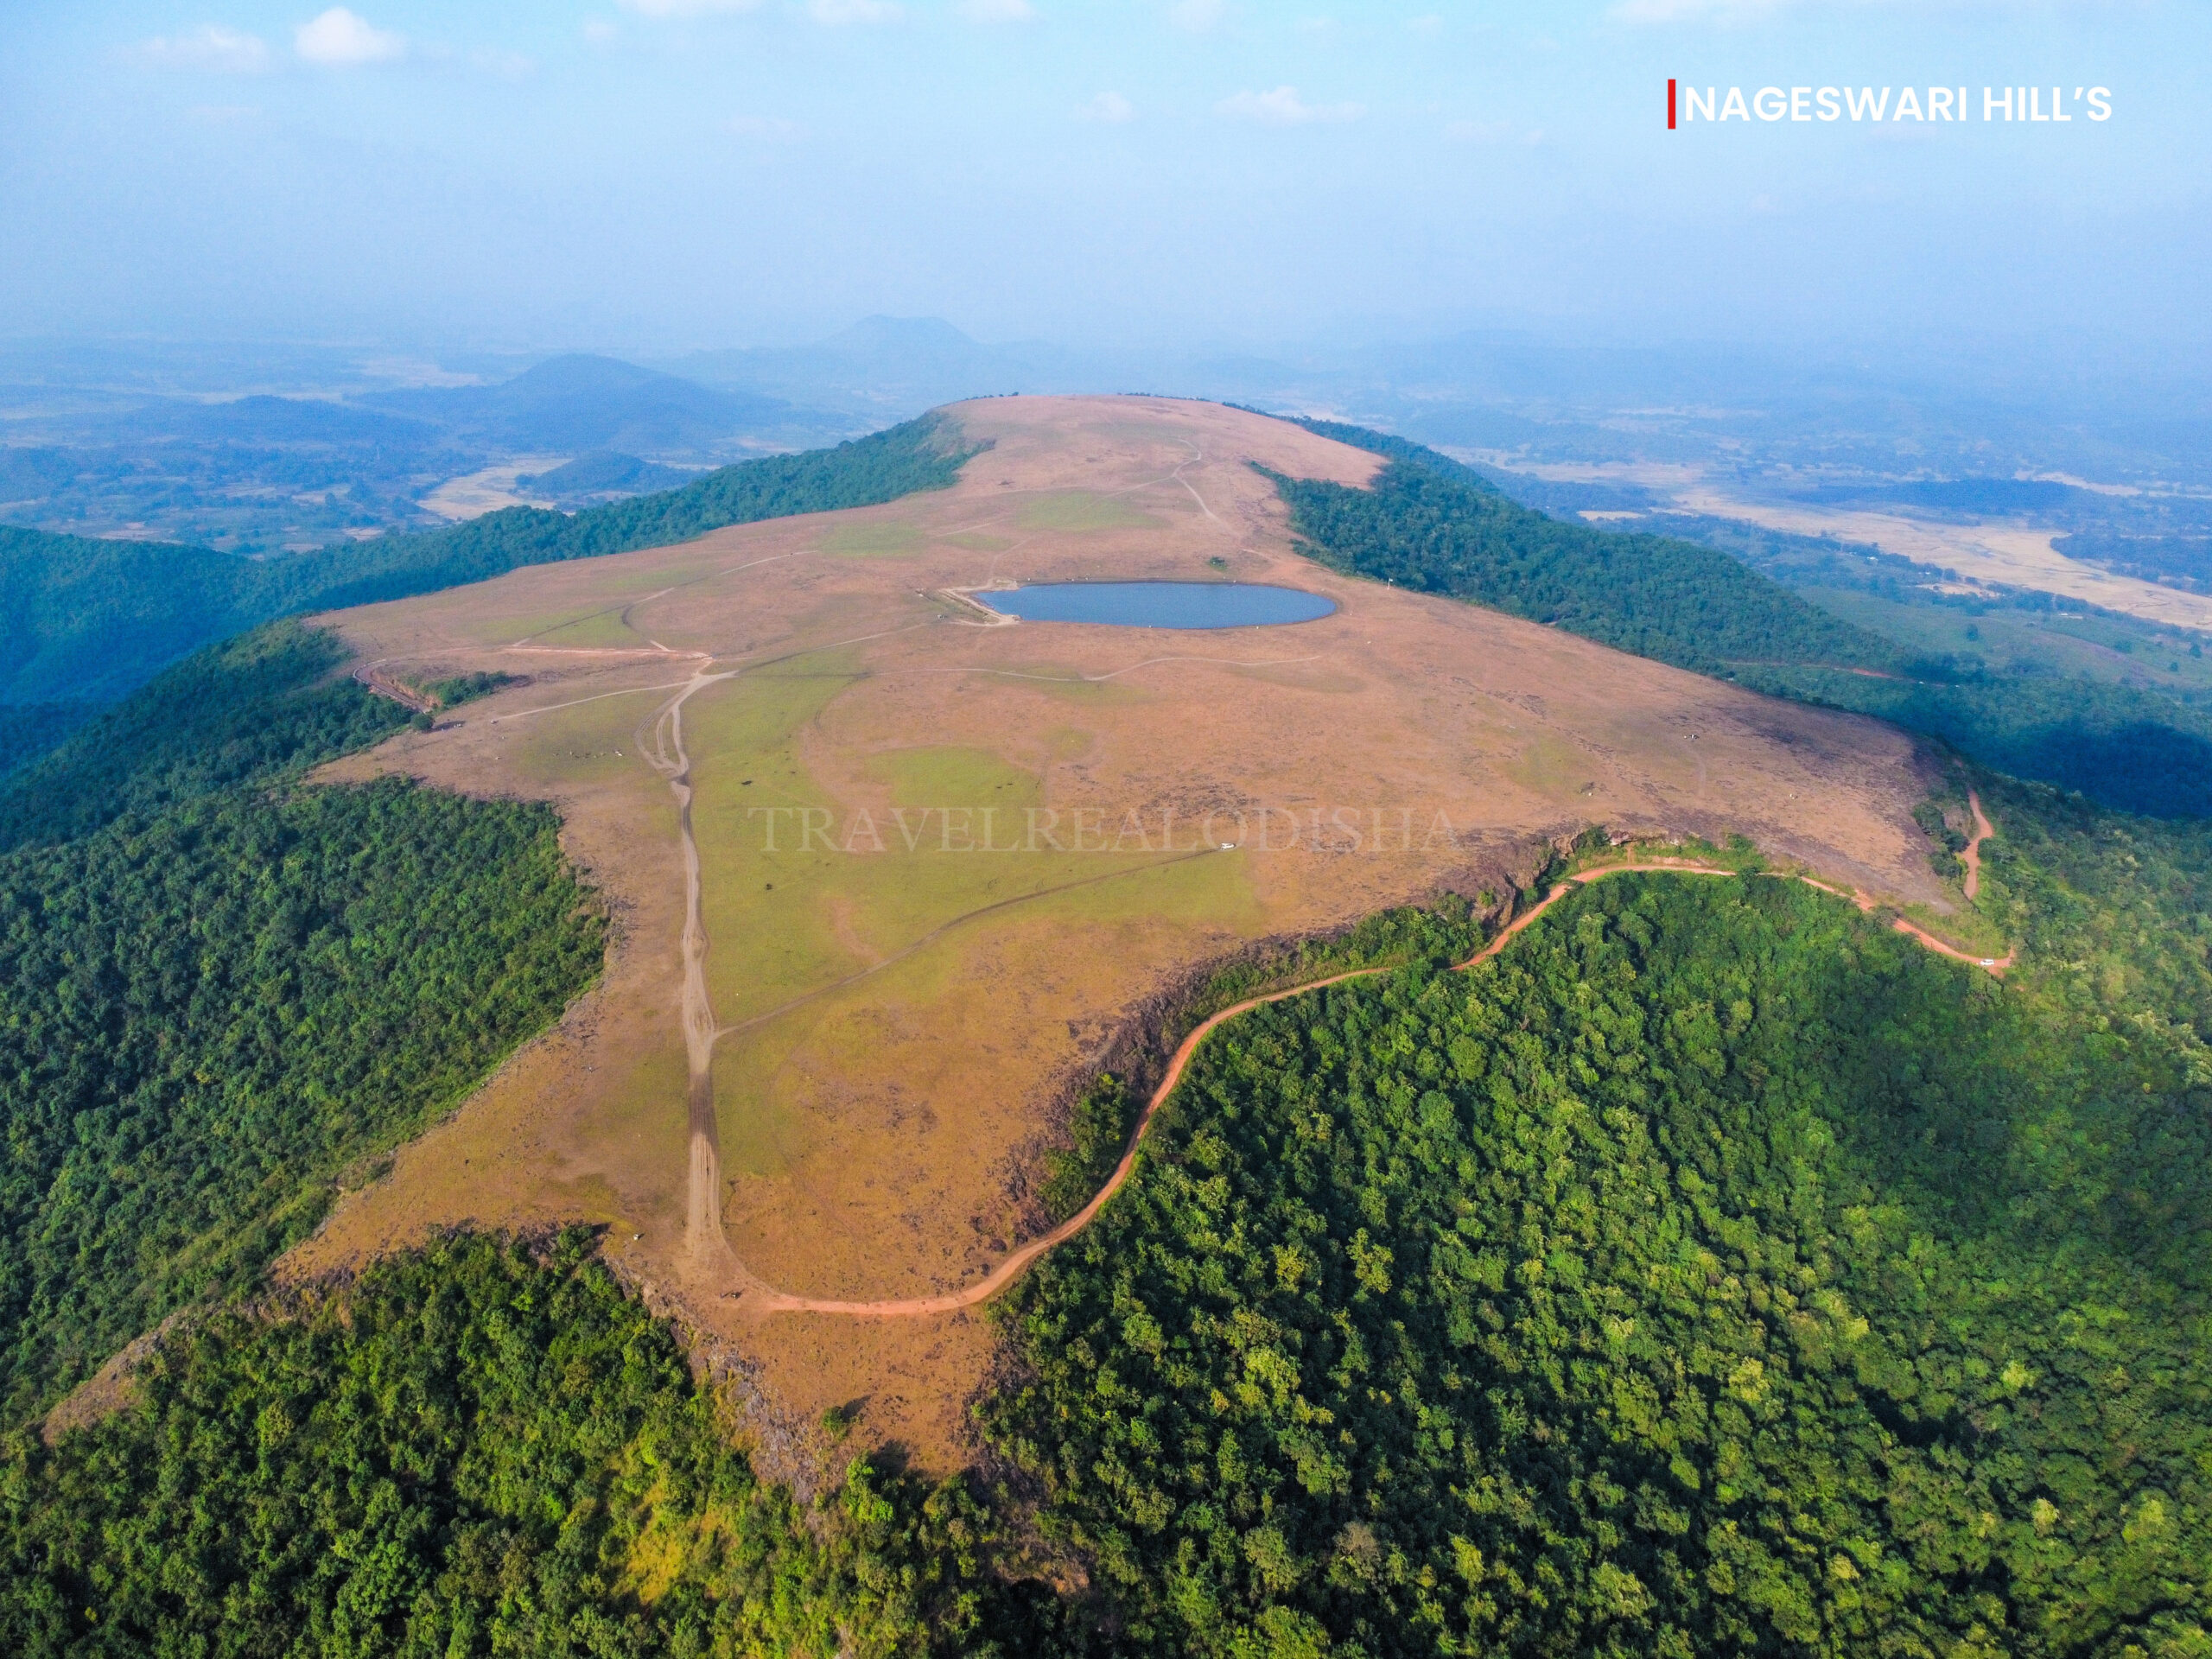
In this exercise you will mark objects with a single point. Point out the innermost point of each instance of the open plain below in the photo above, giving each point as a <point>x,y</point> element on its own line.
<point>944,862</point>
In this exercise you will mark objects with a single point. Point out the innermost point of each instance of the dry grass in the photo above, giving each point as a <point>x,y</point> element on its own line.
<point>898,1054</point>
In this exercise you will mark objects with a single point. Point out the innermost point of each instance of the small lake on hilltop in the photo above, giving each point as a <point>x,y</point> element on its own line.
<point>1160,604</point>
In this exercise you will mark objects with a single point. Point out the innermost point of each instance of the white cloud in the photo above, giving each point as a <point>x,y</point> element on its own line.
<point>1110,107</point>
<point>1284,108</point>
<point>341,37</point>
<point>664,9</point>
<point>853,11</point>
<point>600,32</point>
<point>1196,14</point>
<point>227,51</point>
<point>997,11</point>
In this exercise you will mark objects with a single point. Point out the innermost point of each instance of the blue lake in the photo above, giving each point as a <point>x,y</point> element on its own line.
<point>1160,604</point>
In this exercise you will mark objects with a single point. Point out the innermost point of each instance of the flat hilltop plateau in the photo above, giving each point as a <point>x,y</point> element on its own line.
<point>892,880</point>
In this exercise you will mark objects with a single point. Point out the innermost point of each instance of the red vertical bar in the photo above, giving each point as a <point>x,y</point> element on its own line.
<point>1671,103</point>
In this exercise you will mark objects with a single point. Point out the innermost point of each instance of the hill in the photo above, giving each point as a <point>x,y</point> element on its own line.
<point>908,1013</point>
<point>218,988</point>
<point>578,402</point>
<point>1712,1270</point>
<point>86,620</point>
<point>1717,1273</point>
<point>602,476</point>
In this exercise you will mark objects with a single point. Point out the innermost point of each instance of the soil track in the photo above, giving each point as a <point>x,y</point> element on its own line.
<point>1972,857</point>
<point>762,1300</point>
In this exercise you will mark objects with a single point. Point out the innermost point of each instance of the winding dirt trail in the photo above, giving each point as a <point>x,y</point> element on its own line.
<point>1983,830</point>
<point>763,1300</point>
<point>704,1242</point>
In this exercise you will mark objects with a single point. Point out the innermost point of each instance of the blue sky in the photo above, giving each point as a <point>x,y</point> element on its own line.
<point>660,174</point>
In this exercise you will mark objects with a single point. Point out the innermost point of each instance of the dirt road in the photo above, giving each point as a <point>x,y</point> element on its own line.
<point>1972,857</point>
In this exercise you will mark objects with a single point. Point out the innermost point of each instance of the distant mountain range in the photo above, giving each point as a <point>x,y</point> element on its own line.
<point>892,367</point>
<point>581,403</point>
<point>104,441</point>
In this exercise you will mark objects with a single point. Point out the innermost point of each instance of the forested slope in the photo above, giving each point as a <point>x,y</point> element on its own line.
<point>209,1013</point>
<point>218,987</point>
<point>268,701</point>
<point>2118,744</point>
<point>1713,1272</point>
<point>90,620</point>
<point>480,1449</point>
<point>1429,523</point>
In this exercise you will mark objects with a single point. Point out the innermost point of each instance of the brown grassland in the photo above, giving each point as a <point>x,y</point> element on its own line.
<point>900,1007</point>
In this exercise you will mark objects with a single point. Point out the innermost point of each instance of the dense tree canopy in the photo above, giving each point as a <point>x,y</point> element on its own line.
<point>205,1017</point>
<point>219,987</point>
<point>1427,524</point>
<point>479,1449</point>
<point>267,701</point>
<point>1712,1272</point>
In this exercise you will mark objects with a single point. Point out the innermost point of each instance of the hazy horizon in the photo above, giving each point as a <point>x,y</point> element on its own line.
<point>667,175</point>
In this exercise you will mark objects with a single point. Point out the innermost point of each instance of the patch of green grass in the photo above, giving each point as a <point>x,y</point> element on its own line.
<point>795,919</point>
<point>1068,510</point>
<point>891,538</point>
<point>595,742</point>
<point>952,776</point>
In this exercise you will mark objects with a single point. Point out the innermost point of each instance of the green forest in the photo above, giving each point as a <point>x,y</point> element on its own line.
<point>209,1014</point>
<point>1438,528</point>
<point>267,701</point>
<point>88,620</point>
<point>1430,524</point>
<point>219,988</point>
<point>1713,1272</point>
<point>481,1448</point>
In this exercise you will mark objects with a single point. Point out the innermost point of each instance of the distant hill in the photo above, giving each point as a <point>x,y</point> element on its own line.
<point>892,364</point>
<point>585,402</point>
<point>603,475</point>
